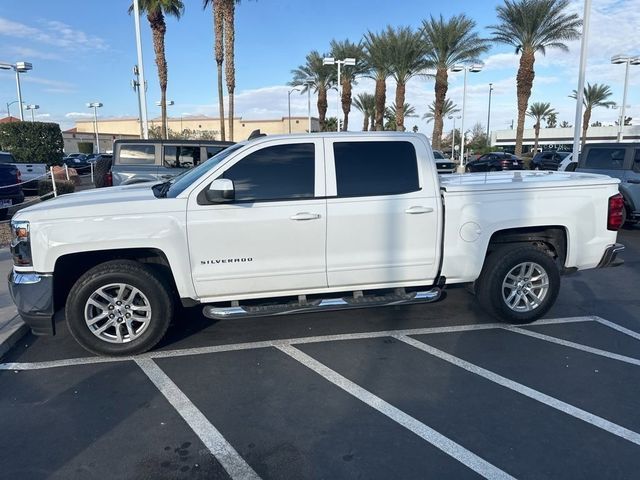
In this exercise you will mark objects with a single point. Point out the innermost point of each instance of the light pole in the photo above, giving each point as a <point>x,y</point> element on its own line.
<point>581,73</point>
<point>95,106</point>
<point>473,68</point>
<point>489,114</point>
<point>170,103</point>
<point>453,135</point>
<point>289,103</point>
<point>18,67</point>
<point>143,94</point>
<point>32,108</point>
<point>308,84</point>
<point>9,105</point>
<point>346,62</point>
<point>627,60</point>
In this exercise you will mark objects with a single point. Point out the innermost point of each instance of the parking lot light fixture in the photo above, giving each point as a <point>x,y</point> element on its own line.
<point>453,135</point>
<point>473,68</point>
<point>95,106</point>
<point>32,108</point>
<point>18,67</point>
<point>332,61</point>
<point>289,103</point>
<point>626,60</point>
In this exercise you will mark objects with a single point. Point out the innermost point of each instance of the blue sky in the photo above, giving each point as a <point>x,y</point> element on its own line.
<point>84,51</point>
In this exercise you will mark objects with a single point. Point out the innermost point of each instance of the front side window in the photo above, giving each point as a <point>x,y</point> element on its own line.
<point>137,154</point>
<point>281,172</point>
<point>181,157</point>
<point>605,158</point>
<point>375,168</point>
<point>212,150</point>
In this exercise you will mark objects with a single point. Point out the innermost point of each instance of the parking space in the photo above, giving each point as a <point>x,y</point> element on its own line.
<point>435,391</point>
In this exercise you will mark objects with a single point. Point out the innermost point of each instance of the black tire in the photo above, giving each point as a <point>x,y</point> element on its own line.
<point>131,273</point>
<point>100,170</point>
<point>571,167</point>
<point>489,286</point>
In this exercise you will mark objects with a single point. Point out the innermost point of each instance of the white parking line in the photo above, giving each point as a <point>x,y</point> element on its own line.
<point>617,327</point>
<point>577,346</point>
<point>274,343</point>
<point>552,402</point>
<point>222,450</point>
<point>448,446</point>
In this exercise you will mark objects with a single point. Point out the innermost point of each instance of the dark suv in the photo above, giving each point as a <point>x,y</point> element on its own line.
<point>494,162</point>
<point>548,160</point>
<point>618,160</point>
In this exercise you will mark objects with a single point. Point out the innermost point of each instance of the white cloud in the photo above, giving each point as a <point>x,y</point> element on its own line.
<point>78,115</point>
<point>53,33</point>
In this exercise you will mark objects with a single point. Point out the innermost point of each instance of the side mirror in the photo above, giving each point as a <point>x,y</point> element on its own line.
<point>220,191</point>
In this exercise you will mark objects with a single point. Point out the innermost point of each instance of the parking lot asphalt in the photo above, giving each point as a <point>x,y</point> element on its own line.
<point>421,391</point>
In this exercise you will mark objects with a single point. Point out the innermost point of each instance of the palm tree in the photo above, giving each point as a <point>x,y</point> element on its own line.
<point>532,26</point>
<point>391,115</point>
<point>218,29</point>
<point>378,60</point>
<point>552,120</point>
<point>228,17</point>
<point>313,74</point>
<point>539,111</point>
<point>594,96</point>
<point>408,59</point>
<point>450,41</point>
<point>448,108</point>
<point>342,50</point>
<point>156,11</point>
<point>366,103</point>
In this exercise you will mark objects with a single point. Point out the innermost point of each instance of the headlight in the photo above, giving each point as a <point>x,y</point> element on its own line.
<point>21,243</point>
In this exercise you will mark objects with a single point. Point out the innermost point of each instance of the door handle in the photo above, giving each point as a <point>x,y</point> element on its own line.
<point>305,216</point>
<point>417,210</point>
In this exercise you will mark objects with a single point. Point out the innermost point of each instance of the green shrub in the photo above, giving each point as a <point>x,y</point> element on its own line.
<point>85,147</point>
<point>62,186</point>
<point>32,142</point>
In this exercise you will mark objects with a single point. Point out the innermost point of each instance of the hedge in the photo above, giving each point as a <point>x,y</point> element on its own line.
<point>62,187</point>
<point>32,142</point>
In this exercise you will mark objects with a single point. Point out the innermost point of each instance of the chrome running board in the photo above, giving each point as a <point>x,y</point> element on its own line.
<point>358,300</point>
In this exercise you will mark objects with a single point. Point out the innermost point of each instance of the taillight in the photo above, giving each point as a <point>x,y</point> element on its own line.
<point>108,179</point>
<point>616,212</point>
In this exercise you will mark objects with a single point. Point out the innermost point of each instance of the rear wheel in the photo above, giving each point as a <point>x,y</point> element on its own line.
<point>518,284</point>
<point>119,308</point>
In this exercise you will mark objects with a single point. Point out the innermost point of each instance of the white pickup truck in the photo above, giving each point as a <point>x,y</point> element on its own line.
<point>301,223</point>
<point>30,173</point>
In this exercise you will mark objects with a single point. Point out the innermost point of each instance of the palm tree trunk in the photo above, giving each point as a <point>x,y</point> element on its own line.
<point>381,99</point>
<point>230,69</point>
<point>525,78</point>
<point>400,95</point>
<point>536,128</point>
<point>365,125</point>
<point>218,28</point>
<point>586,118</point>
<point>322,107</point>
<point>158,30</point>
<point>372,119</point>
<point>441,94</point>
<point>346,102</point>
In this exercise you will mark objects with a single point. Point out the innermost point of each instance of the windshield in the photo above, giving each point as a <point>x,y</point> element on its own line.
<point>184,180</point>
<point>438,155</point>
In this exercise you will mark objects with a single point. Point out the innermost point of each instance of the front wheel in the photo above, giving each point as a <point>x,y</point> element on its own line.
<point>518,283</point>
<point>119,307</point>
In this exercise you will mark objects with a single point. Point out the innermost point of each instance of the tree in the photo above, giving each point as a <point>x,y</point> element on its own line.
<point>156,11</point>
<point>32,142</point>
<point>596,124</point>
<point>478,138</point>
<point>228,17</point>
<point>449,42</point>
<point>313,74</point>
<point>330,125</point>
<point>565,124</point>
<point>391,115</point>
<point>408,59</point>
<point>532,26</point>
<point>627,121</point>
<point>594,96</point>
<point>539,111</point>
<point>342,50</point>
<point>447,141</point>
<point>378,58</point>
<point>552,120</point>
<point>366,103</point>
<point>448,108</point>
<point>218,29</point>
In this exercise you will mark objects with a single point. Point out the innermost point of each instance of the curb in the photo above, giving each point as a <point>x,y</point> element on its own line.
<point>11,332</point>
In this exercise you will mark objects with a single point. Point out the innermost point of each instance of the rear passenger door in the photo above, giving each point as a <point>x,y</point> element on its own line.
<point>382,214</point>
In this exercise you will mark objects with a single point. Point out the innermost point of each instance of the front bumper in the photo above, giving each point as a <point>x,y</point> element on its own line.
<point>33,295</point>
<point>609,258</point>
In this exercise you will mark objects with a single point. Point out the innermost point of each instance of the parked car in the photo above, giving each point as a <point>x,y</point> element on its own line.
<point>548,160</point>
<point>102,170</point>
<point>568,164</point>
<point>494,162</point>
<point>621,161</point>
<point>10,189</point>
<point>136,161</point>
<point>443,164</point>
<point>81,164</point>
<point>82,156</point>
<point>30,173</point>
<point>298,223</point>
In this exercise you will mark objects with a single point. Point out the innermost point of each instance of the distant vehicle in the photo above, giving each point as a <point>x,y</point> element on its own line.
<point>102,170</point>
<point>137,161</point>
<point>548,160</point>
<point>30,173</point>
<point>10,191</point>
<point>443,164</point>
<point>495,162</point>
<point>81,164</point>
<point>617,160</point>
<point>82,156</point>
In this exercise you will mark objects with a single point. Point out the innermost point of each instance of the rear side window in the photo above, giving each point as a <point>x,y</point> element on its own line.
<point>181,156</point>
<point>6,158</point>
<point>137,154</point>
<point>605,158</point>
<point>636,161</point>
<point>375,168</point>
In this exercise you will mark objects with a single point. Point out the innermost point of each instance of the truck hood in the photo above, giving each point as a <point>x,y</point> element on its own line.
<point>101,202</point>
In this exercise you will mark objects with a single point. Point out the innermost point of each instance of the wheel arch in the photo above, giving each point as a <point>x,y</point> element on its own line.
<point>553,239</point>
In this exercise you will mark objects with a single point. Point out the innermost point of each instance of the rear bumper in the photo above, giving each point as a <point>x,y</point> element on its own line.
<point>33,295</point>
<point>609,258</point>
